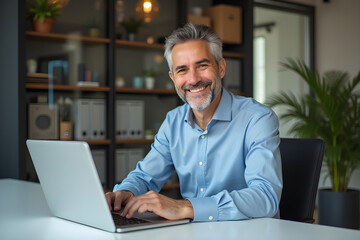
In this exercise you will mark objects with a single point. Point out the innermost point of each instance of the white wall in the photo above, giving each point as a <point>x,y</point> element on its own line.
<point>338,36</point>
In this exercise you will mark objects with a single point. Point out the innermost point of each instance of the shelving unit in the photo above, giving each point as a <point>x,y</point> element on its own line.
<point>137,45</point>
<point>108,90</point>
<point>45,86</point>
<point>57,37</point>
<point>146,91</point>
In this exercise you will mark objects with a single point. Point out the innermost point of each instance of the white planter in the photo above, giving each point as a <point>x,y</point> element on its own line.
<point>149,82</point>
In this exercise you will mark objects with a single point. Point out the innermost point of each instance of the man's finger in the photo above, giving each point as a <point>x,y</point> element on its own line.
<point>118,200</point>
<point>109,198</point>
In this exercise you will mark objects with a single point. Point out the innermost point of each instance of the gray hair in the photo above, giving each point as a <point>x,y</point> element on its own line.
<point>193,32</point>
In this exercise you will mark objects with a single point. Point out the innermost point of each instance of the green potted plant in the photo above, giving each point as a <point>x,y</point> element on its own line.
<point>331,112</point>
<point>132,26</point>
<point>149,75</point>
<point>94,28</point>
<point>43,13</point>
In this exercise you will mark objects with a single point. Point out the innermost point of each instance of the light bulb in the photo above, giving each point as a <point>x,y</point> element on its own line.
<point>147,9</point>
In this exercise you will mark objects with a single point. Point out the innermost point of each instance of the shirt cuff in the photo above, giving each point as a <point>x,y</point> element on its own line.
<point>205,209</point>
<point>127,187</point>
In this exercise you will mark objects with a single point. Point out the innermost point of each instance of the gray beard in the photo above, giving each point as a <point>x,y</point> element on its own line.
<point>210,98</point>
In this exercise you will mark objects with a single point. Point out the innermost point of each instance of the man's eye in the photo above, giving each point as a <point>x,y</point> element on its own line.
<point>203,65</point>
<point>180,70</point>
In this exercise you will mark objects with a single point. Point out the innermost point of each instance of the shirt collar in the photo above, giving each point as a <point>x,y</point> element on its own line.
<point>222,112</point>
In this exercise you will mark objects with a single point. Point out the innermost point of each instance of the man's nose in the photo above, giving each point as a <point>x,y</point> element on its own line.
<point>193,77</point>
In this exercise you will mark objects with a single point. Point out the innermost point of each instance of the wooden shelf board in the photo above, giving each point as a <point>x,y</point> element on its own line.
<point>32,35</point>
<point>93,142</point>
<point>146,91</point>
<point>124,43</point>
<point>45,86</point>
<point>98,142</point>
<point>134,141</point>
<point>233,55</point>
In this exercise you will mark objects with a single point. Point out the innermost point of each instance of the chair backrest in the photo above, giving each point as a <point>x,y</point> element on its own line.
<point>301,163</point>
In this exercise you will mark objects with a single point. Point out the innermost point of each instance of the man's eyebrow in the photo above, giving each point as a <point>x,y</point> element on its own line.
<point>205,60</point>
<point>179,67</point>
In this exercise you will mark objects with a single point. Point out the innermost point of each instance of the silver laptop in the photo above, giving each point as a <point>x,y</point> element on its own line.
<point>73,191</point>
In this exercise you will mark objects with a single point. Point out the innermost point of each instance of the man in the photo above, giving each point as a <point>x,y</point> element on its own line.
<point>224,148</point>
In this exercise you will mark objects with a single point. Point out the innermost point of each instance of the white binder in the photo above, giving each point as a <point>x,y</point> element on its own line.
<point>97,119</point>
<point>82,119</point>
<point>100,163</point>
<point>135,155</point>
<point>121,119</point>
<point>126,160</point>
<point>136,119</point>
<point>129,119</point>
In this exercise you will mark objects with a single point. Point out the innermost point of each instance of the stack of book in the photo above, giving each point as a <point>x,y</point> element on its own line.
<point>87,77</point>
<point>37,77</point>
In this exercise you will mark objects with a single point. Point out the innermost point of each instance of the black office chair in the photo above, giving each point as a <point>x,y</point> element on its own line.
<point>301,163</point>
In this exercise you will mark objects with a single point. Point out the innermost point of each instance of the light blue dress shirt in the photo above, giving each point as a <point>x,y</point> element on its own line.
<point>230,171</point>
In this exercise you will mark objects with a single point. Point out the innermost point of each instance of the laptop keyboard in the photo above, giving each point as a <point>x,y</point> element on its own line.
<point>121,221</point>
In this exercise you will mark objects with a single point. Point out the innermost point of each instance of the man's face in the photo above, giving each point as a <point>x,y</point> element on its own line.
<point>196,75</point>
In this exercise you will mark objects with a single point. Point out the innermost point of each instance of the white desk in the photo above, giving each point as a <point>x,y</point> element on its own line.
<point>24,214</point>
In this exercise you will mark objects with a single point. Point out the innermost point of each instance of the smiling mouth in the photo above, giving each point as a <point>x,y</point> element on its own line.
<point>196,90</point>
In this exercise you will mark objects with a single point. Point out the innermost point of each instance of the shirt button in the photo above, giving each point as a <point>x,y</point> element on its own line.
<point>202,136</point>
<point>211,218</point>
<point>200,163</point>
<point>201,189</point>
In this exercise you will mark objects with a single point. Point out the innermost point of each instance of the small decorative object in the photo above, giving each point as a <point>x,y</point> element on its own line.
<point>120,82</point>
<point>149,82</point>
<point>149,78</point>
<point>138,82</point>
<point>147,9</point>
<point>94,28</point>
<point>62,3</point>
<point>132,26</point>
<point>66,124</point>
<point>149,134</point>
<point>31,65</point>
<point>43,14</point>
<point>94,32</point>
<point>196,11</point>
<point>150,40</point>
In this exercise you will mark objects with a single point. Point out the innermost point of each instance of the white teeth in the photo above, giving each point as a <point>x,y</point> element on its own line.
<point>197,90</point>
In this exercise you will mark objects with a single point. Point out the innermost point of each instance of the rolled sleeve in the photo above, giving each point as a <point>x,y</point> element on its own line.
<point>205,209</point>
<point>127,187</point>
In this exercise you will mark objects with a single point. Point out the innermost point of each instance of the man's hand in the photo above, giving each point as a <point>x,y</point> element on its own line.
<point>118,198</point>
<point>159,204</point>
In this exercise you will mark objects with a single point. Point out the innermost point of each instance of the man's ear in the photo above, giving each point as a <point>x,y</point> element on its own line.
<point>171,76</point>
<point>222,67</point>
